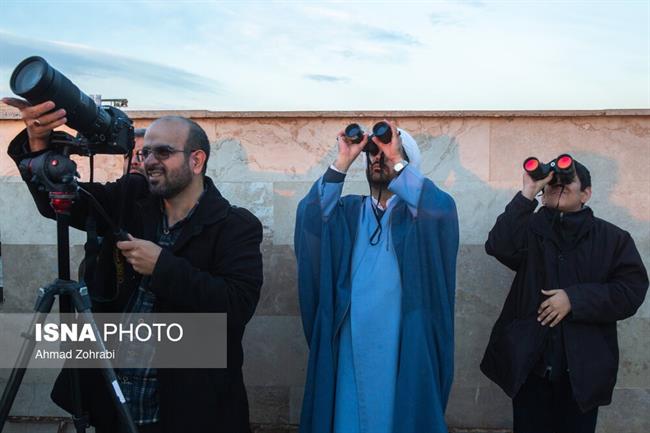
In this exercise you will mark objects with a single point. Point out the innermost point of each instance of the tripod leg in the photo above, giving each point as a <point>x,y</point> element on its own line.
<point>66,306</point>
<point>79,418</point>
<point>18,372</point>
<point>109,373</point>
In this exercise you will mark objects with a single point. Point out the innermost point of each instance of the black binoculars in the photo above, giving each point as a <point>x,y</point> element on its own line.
<point>381,130</point>
<point>563,166</point>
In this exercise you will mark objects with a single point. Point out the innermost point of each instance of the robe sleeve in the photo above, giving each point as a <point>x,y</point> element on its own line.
<point>313,213</point>
<point>432,254</point>
<point>449,238</point>
<point>619,297</point>
<point>408,187</point>
<point>330,186</point>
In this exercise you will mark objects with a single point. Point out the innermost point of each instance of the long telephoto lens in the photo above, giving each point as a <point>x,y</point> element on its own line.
<point>35,80</point>
<point>354,133</point>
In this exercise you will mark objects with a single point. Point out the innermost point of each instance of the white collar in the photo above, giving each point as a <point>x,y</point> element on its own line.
<point>379,206</point>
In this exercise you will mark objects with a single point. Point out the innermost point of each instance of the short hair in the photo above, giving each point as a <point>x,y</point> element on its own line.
<point>197,139</point>
<point>139,132</point>
<point>583,175</point>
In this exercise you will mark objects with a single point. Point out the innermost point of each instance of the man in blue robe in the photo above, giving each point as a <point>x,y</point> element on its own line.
<point>376,279</point>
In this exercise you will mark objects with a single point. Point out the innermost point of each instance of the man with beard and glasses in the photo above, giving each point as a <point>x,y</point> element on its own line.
<point>137,158</point>
<point>189,251</point>
<point>376,277</point>
<point>554,347</point>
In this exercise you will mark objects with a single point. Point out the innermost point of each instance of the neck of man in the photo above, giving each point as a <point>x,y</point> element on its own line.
<point>385,194</point>
<point>177,207</point>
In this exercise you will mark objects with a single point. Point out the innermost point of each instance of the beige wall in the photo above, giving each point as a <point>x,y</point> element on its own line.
<point>267,161</point>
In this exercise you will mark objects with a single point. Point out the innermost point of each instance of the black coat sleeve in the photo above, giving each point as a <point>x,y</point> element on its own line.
<point>108,195</point>
<point>618,298</point>
<point>507,241</point>
<point>233,283</point>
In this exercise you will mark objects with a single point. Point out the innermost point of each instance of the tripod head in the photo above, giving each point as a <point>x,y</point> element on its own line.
<point>62,201</point>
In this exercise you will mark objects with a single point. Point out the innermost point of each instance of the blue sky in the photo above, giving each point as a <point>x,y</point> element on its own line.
<point>306,55</point>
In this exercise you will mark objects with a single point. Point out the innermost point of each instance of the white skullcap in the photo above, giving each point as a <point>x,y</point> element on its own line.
<point>411,148</point>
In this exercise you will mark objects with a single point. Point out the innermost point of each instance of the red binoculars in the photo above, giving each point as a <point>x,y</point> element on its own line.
<point>563,166</point>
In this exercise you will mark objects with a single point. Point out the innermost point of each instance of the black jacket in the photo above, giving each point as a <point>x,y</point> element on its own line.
<point>604,278</point>
<point>214,266</point>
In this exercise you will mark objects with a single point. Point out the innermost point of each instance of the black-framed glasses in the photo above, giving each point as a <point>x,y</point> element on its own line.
<point>139,157</point>
<point>161,152</point>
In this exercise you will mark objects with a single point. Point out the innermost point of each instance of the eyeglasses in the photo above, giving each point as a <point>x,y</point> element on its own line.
<point>139,157</point>
<point>160,152</point>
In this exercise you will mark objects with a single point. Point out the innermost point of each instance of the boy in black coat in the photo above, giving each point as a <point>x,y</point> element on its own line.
<point>554,347</point>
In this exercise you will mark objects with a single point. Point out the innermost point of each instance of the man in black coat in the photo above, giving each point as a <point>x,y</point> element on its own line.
<point>190,251</point>
<point>554,347</point>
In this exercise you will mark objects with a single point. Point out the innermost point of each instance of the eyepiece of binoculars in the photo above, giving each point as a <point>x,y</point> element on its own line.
<point>563,166</point>
<point>354,133</point>
<point>382,131</point>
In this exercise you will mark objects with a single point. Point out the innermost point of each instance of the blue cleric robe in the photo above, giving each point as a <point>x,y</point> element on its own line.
<point>378,318</point>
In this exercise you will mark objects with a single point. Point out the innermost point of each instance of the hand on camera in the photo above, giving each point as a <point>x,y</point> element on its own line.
<point>532,187</point>
<point>141,254</point>
<point>348,151</point>
<point>39,121</point>
<point>555,308</point>
<point>392,151</point>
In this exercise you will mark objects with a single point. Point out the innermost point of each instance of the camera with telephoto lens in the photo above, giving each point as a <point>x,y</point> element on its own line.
<point>563,168</point>
<point>381,130</point>
<point>100,130</point>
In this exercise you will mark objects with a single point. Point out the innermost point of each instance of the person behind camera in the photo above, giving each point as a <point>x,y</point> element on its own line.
<point>137,160</point>
<point>136,167</point>
<point>376,278</point>
<point>189,251</point>
<point>554,347</point>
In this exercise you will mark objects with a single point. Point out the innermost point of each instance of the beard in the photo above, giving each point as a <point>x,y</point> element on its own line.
<point>166,183</point>
<point>379,179</point>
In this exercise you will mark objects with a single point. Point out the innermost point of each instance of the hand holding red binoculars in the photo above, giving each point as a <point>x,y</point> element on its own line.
<point>559,171</point>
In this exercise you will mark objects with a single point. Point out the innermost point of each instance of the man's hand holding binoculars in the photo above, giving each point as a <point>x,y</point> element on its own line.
<point>392,150</point>
<point>39,119</point>
<point>348,151</point>
<point>532,187</point>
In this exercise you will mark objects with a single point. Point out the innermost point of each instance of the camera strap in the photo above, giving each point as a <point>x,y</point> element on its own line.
<point>376,235</point>
<point>91,247</point>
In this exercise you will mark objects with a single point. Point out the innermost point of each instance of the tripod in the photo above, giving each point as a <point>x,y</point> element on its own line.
<point>72,297</point>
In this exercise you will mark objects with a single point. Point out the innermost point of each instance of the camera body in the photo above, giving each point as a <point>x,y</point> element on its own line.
<point>101,130</point>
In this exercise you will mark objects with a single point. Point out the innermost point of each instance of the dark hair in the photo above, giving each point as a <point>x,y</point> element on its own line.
<point>139,132</point>
<point>583,175</point>
<point>197,139</point>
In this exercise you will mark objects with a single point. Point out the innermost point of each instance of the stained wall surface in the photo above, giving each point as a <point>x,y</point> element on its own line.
<point>267,161</point>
